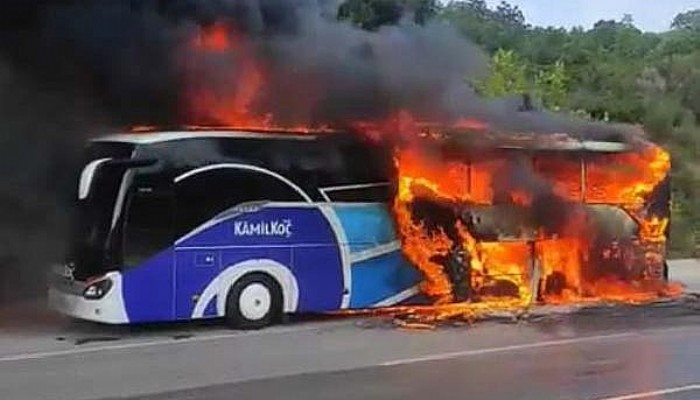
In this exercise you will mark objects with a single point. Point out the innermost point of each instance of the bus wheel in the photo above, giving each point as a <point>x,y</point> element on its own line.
<point>254,302</point>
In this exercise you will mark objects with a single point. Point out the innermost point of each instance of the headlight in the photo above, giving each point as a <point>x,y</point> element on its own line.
<point>97,290</point>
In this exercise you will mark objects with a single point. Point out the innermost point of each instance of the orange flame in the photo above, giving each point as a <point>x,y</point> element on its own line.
<point>563,262</point>
<point>214,39</point>
<point>233,105</point>
<point>232,100</point>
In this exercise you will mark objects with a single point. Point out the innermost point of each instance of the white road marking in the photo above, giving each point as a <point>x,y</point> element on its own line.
<point>661,392</point>
<point>153,343</point>
<point>505,349</point>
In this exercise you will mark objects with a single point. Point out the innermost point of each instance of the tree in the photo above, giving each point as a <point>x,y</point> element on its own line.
<point>372,14</point>
<point>545,46</point>
<point>628,20</point>
<point>423,10</point>
<point>689,20</point>
<point>503,27</point>
<point>684,80</point>
<point>508,76</point>
<point>509,15</point>
<point>677,42</point>
<point>551,86</point>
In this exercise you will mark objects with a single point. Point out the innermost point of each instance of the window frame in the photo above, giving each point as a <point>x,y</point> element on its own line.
<point>147,193</point>
<point>184,228</point>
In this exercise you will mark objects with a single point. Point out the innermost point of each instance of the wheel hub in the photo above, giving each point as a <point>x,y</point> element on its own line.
<point>255,301</point>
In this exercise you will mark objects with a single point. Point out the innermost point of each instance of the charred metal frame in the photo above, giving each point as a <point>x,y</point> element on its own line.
<point>457,256</point>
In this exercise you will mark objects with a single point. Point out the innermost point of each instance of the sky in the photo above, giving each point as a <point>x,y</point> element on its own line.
<point>649,15</point>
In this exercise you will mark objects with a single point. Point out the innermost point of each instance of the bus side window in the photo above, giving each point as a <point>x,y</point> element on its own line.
<point>363,172</point>
<point>148,228</point>
<point>202,197</point>
<point>367,162</point>
<point>380,192</point>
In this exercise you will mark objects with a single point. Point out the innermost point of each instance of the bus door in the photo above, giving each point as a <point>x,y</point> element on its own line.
<point>198,199</point>
<point>147,254</point>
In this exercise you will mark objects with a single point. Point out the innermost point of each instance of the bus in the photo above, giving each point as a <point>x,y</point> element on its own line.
<point>249,226</point>
<point>241,225</point>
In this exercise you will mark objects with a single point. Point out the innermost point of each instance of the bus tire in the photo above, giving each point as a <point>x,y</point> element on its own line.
<point>254,302</point>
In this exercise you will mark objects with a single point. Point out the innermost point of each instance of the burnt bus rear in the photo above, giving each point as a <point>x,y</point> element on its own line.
<point>629,242</point>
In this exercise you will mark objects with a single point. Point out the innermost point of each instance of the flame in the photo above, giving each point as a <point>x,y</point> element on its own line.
<point>231,100</point>
<point>556,266</point>
<point>626,178</point>
<point>214,39</point>
<point>230,104</point>
<point>654,229</point>
<point>420,247</point>
<point>143,129</point>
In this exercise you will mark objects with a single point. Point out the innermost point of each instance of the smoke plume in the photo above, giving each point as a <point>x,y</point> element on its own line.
<point>136,60</point>
<point>41,133</point>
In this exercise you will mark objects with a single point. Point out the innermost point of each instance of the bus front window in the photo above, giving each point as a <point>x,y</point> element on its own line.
<point>93,223</point>
<point>89,252</point>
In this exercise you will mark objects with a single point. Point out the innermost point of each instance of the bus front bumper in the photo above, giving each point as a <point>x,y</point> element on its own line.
<point>67,297</point>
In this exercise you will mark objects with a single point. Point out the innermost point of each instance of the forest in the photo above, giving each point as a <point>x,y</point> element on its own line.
<point>611,72</point>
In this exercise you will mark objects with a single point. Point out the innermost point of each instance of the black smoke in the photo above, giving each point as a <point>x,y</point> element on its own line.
<point>41,131</point>
<point>134,59</point>
<point>70,68</point>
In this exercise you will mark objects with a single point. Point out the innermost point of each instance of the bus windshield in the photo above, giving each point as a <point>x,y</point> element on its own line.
<point>98,188</point>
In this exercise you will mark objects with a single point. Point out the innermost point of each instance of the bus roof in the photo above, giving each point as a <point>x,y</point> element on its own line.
<point>167,136</point>
<point>534,142</point>
<point>555,142</point>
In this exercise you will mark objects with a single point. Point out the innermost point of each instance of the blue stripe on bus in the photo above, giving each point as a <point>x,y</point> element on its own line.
<point>366,225</point>
<point>380,278</point>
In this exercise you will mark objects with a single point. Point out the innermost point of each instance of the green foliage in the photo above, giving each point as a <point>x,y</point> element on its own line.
<point>511,76</point>
<point>493,29</point>
<point>677,42</point>
<point>687,21</point>
<point>508,76</point>
<point>372,14</point>
<point>551,86</point>
<point>662,116</point>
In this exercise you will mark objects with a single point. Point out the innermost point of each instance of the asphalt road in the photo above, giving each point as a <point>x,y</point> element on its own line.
<point>611,353</point>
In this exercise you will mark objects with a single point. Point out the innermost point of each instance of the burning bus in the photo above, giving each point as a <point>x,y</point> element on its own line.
<point>533,217</point>
<point>248,225</point>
